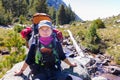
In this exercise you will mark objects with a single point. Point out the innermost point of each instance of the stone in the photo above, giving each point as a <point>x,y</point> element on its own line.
<point>78,73</point>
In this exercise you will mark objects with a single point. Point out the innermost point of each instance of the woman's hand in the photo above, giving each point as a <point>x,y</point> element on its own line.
<point>69,63</point>
<point>73,65</point>
<point>18,73</point>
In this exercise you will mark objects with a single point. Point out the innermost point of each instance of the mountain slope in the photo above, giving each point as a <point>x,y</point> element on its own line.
<point>56,4</point>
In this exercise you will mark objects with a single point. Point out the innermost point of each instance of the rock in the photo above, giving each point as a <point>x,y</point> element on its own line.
<point>110,76</point>
<point>99,78</point>
<point>113,70</point>
<point>78,73</point>
<point>5,52</point>
<point>10,74</point>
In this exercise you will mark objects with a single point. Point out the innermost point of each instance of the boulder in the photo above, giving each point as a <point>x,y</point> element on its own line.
<point>77,73</point>
<point>10,74</point>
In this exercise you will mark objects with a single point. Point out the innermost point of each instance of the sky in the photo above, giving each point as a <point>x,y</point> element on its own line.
<point>93,9</point>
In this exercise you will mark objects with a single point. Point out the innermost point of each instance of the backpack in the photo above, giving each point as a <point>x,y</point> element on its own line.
<point>58,34</point>
<point>47,56</point>
<point>37,17</point>
<point>26,33</point>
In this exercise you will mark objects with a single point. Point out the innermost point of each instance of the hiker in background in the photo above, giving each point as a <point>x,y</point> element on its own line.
<point>45,57</point>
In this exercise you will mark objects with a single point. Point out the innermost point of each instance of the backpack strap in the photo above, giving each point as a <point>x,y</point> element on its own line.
<point>55,48</point>
<point>38,55</point>
<point>55,39</point>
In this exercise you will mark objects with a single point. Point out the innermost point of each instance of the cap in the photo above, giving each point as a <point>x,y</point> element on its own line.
<point>45,23</point>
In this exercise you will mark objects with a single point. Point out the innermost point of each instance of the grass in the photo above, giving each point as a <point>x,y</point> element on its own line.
<point>109,35</point>
<point>7,61</point>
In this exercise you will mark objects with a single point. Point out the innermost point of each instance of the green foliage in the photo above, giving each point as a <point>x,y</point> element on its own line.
<point>16,7</point>
<point>8,61</point>
<point>93,47</point>
<point>99,23</point>
<point>114,51</point>
<point>13,41</point>
<point>81,35</point>
<point>32,7</point>
<point>5,18</point>
<point>70,15</point>
<point>3,37</point>
<point>61,15</point>
<point>52,13</point>
<point>42,6</point>
<point>18,28</point>
<point>91,36</point>
<point>92,39</point>
<point>65,15</point>
<point>22,19</point>
<point>109,37</point>
<point>26,8</point>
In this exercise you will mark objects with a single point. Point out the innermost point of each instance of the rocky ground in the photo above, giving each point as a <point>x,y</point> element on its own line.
<point>96,67</point>
<point>99,67</point>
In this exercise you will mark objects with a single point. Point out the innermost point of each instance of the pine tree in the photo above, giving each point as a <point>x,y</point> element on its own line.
<point>70,14</point>
<point>16,7</point>
<point>92,36</point>
<point>42,6</point>
<point>62,15</point>
<point>52,13</point>
<point>92,39</point>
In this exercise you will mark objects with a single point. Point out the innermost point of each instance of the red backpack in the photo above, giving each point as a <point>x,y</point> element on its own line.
<point>58,34</point>
<point>28,31</point>
<point>25,32</point>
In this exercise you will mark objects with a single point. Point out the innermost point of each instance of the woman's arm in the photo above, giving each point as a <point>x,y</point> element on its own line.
<point>69,63</point>
<point>63,57</point>
<point>29,60</point>
<point>18,73</point>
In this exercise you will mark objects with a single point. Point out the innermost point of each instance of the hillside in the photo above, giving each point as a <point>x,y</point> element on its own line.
<point>11,41</point>
<point>110,36</point>
<point>57,3</point>
<point>21,11</point>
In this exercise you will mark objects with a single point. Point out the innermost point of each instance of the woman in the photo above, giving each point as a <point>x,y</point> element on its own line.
<point>45,59</point>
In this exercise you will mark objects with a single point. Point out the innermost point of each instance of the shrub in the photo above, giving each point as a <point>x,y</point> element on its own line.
<point>99,23</point>
<point>22,19</point>
<point>18,28</point>
<point>114,51</point>
<point>91,36</point>
<point>14,41</point>
<point>92,39</point>
<point>5,19</point>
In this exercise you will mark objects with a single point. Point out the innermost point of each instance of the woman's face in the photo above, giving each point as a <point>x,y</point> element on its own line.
<point>45,31</point>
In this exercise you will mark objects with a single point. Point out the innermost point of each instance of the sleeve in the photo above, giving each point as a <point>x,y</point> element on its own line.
<point>60,51</point>
<point>30,59</point>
